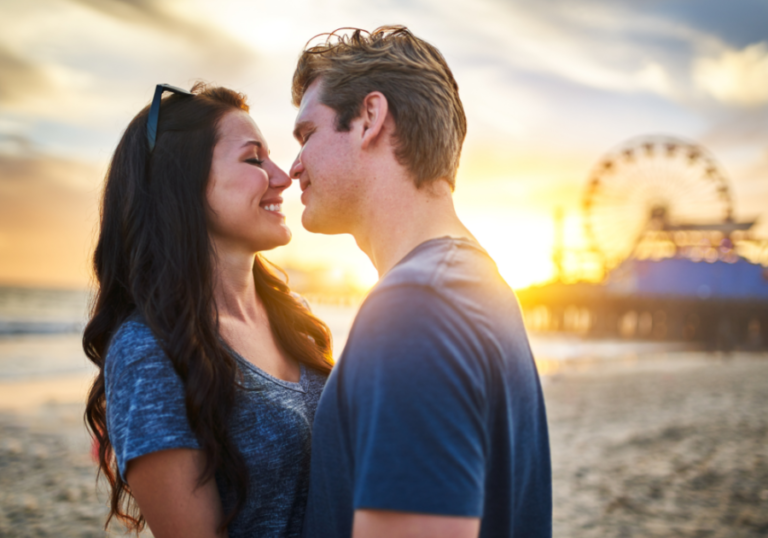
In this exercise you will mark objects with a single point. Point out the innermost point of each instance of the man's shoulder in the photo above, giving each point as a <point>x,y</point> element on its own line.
<point>411,330</point>
<point>435,294</point>
<point>412,288</point>
<point>457,272</point>
<point>447,292</point>
<point>435,263</point>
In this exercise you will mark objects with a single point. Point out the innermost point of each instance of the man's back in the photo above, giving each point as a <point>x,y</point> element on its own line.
<point>435,406</point>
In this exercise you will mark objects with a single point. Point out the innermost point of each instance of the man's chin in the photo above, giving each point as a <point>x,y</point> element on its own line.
<point>317,225</point>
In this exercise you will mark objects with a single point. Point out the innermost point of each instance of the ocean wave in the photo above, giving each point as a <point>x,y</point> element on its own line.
<point>18,327</point>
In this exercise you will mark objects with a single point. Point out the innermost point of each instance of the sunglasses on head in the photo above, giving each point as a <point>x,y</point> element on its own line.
<point>154,111</point>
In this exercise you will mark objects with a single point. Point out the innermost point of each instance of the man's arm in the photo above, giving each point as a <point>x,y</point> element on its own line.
<point>386,524</point>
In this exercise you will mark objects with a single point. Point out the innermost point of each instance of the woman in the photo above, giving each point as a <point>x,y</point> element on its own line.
<point>209,368</point>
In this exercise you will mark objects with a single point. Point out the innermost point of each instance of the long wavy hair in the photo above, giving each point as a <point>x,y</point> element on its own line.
<point>154,256</point>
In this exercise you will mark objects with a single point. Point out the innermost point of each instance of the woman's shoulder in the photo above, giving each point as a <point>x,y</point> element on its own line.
<point>131,334</point>
<point>132,342</point>
<point>315,381</point>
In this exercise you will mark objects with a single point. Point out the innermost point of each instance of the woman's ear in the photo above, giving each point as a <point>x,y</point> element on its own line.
<point>374,113</point>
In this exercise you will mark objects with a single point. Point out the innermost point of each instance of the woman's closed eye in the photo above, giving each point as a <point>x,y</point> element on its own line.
<point>254,161</point>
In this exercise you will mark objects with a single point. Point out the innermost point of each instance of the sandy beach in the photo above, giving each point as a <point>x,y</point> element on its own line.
<point>667,445</point>
<point>655,445</point>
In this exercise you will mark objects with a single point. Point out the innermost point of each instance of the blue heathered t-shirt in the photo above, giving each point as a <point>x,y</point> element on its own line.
<point>271,426</point>
<point>435,405</point>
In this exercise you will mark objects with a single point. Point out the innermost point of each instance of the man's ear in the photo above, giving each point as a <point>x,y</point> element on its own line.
<point>374,112</point>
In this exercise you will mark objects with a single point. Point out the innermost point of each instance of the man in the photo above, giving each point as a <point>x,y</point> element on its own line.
<point>432,424</point>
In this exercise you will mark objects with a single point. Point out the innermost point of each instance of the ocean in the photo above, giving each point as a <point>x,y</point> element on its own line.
<point>40,332</point>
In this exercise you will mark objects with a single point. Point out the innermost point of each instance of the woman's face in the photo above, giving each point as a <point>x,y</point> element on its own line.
<point>244,189</point>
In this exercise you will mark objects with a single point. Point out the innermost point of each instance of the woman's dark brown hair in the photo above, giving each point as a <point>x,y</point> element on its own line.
<point>154,257</point>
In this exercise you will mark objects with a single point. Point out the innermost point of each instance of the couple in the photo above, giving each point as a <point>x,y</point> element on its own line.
<point>216,383</point>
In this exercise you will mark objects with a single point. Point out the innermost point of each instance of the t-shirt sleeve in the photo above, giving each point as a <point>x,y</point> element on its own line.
<point>146,409</point>
<point>417,406</point>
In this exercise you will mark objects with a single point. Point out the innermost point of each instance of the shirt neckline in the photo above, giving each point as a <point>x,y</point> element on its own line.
<point>443,239</point>
<point>298,386</point>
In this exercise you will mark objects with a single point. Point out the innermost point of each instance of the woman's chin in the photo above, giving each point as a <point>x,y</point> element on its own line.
<point>277,240</point>
<point>287,235</point>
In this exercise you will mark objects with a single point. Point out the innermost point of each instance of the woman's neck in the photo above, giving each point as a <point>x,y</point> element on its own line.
<point>234,290</point>
<point>243,318</point>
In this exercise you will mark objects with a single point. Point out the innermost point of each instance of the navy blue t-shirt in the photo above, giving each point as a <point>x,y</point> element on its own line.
<point>435,405</point>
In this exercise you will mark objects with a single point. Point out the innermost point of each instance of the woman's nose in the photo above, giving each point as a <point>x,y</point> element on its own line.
<point>279,179</point>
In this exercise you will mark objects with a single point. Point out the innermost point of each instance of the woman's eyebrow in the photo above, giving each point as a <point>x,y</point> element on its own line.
<point>252,143</point>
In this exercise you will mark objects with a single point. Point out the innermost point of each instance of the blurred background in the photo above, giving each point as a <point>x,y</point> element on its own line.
<point>615,167</point>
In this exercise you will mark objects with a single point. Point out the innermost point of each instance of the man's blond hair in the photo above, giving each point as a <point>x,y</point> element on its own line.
<point>422,95</point>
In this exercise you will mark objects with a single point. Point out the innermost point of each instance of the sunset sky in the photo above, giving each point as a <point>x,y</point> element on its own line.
<point>549,86</point>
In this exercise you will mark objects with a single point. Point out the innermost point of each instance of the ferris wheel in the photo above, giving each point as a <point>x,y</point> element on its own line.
<point>651,183</point>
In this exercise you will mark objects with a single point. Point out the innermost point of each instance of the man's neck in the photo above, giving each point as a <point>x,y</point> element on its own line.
<point>395,225</point>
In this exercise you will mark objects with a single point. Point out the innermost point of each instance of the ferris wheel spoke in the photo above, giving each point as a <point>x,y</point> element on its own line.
<point>645,172</point>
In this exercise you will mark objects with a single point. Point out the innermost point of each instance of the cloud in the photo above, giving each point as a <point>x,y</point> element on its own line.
<point>211,42</point>
<point>89,65</point>
<point>19,77</point>
<point>24,166</point>
<point>757,174</point>
<point>740,128</point>
<point>598,45</point>
<point>751,186</point>
<point>47,219</point>
<point>737,22</point>
<point>737,77</point>
<point>14,144</point>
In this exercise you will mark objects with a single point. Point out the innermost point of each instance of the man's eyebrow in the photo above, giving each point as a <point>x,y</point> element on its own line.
<point>303,126</point>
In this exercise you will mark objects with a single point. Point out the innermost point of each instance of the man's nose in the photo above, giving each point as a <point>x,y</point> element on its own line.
<point>297,168</point>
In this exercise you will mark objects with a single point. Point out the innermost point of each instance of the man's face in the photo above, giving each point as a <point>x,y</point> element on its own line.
<point>327,167</point>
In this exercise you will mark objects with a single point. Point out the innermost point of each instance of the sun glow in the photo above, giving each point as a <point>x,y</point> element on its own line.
<point>520,244</point>
<point>520,240</point>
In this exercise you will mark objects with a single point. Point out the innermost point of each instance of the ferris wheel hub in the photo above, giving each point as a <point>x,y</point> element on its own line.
<point>647,187</point>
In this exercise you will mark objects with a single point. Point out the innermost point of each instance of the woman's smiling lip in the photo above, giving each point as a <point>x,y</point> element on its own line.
<point>273,205</point>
